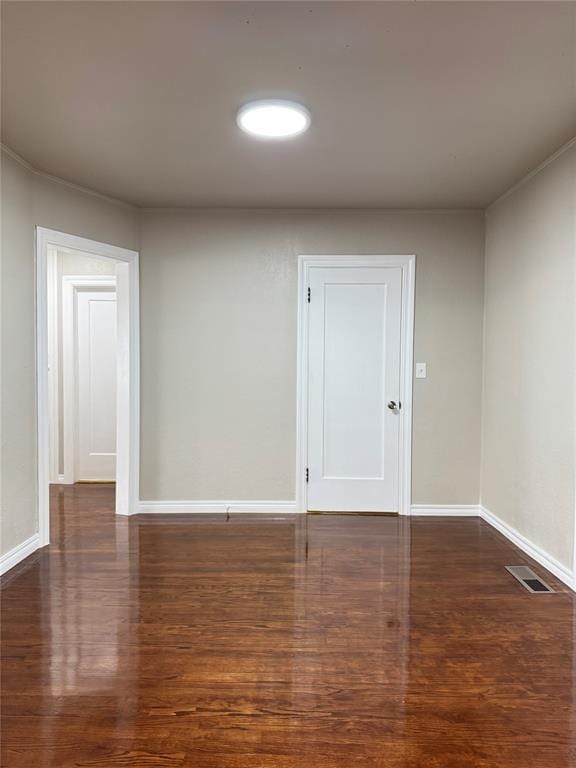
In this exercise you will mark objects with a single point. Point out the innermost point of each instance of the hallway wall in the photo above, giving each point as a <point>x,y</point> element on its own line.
<point>29,199</point>
<point>529,398</point>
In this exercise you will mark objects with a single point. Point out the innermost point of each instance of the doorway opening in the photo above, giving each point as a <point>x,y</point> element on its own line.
<point>354,398</point>
<point>85,432</point>
<point>87,368</point>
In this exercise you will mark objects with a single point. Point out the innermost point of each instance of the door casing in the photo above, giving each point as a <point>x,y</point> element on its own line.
<point>408,265</point>
<point>128,403</point>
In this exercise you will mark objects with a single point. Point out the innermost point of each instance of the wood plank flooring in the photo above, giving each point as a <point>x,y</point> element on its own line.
<point>268,642</point>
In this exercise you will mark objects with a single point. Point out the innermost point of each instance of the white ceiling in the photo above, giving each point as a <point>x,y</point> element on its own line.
<point>413,104</point>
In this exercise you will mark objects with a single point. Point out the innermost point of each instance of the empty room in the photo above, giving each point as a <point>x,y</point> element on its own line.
<point>288,385</point>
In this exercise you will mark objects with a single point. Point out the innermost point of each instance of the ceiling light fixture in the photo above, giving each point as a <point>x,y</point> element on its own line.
<point>273,119</point>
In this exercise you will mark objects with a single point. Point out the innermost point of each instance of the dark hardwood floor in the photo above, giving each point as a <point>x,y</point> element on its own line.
<point>260,642</point>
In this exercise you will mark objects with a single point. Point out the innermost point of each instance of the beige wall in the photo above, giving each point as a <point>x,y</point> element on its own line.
<point>219,346</point>
<point>528,458</point>
<point>27,200</point>
<point>18,490</point>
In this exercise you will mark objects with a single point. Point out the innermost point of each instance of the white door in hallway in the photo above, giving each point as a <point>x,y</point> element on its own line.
<point>354,404</point>
<point>96,385</point>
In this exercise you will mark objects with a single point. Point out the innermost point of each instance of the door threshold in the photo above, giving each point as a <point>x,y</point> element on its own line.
<point>95,482</point>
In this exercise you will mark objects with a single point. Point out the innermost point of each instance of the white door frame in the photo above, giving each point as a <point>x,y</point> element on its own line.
<point>70,286</point>
<point>53,312</point>
<point>128,403</point>
<point>408,265</point>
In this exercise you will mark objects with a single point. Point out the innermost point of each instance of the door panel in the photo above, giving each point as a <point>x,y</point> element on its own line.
<point>97,382</point>
<point>354,370</point>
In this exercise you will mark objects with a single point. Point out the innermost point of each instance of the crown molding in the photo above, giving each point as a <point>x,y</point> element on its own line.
<point>57,180</point>
<point>310,211</point>
<point>534,172</point>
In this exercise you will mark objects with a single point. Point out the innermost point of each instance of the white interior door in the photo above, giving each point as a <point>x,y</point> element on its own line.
<point>96,353</point>
<point>354,388</point>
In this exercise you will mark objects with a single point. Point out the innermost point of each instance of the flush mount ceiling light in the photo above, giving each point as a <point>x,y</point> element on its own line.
<point>273,119</point>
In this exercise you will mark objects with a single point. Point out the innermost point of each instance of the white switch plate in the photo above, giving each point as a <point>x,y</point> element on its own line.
<point>420,370</point>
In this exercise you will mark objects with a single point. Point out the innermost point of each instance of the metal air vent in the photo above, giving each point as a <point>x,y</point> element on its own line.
<point>529,579</point>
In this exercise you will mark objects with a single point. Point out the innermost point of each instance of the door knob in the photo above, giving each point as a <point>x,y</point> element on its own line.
<point>392,405</point>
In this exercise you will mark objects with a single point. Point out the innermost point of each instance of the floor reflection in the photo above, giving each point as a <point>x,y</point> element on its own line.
<point>352,593</point>
<point>221,641</point>
<point>85,625</point>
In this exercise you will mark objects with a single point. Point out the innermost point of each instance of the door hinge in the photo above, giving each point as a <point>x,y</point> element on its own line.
<point>307,474</point>
<point>309,295</point>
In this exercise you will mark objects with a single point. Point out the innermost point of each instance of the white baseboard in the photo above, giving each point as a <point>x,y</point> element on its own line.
<point>426,510</point>
<point>532,550</point>
<point>207,507</point>
<point>445,510</point>
<point>19,553</point>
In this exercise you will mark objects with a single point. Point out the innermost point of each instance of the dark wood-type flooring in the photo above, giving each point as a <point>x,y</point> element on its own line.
<point>304,642</point>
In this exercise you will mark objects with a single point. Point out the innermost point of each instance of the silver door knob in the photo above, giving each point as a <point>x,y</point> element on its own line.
<point>392,405</point>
